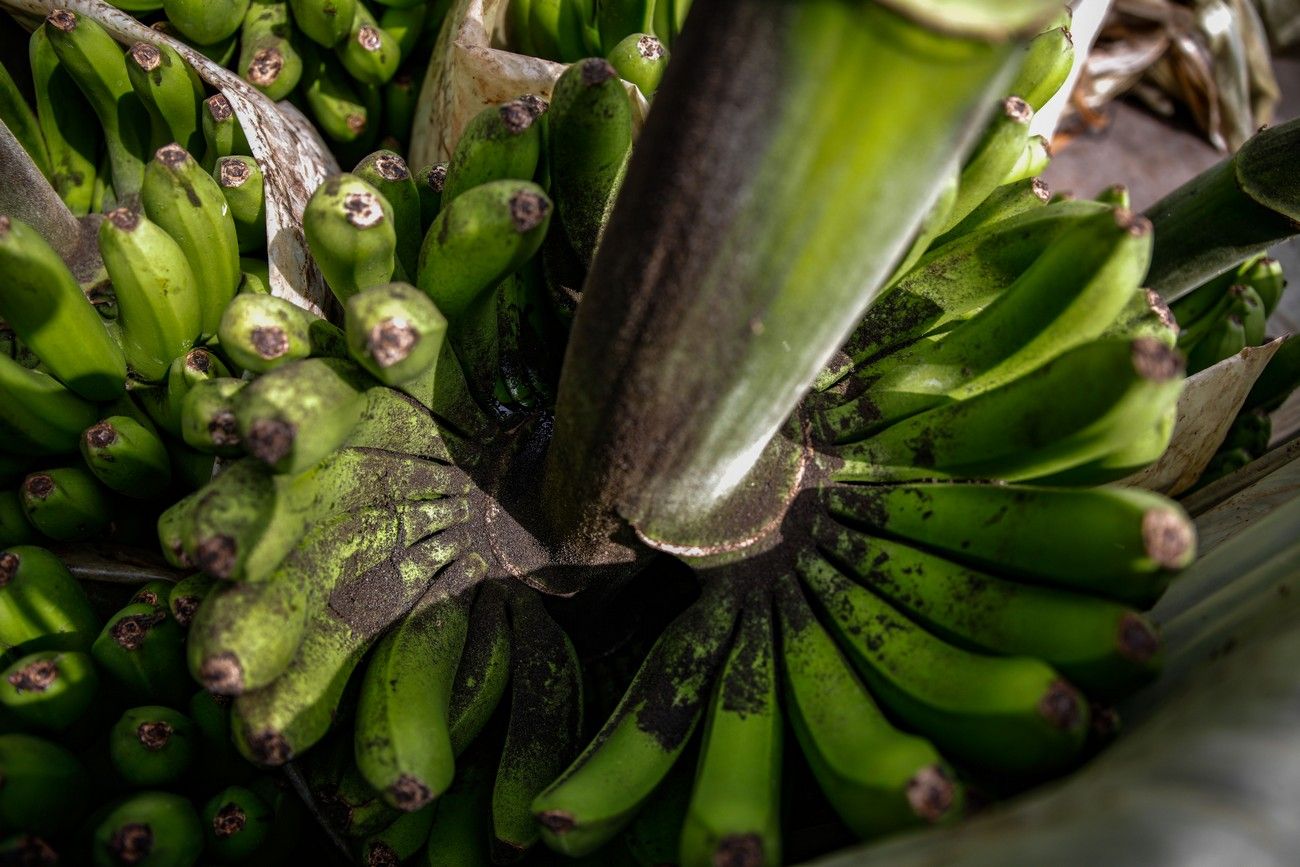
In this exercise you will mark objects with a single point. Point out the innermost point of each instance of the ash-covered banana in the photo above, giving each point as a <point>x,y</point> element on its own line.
<point>395,332</point>
<point>263,332</point>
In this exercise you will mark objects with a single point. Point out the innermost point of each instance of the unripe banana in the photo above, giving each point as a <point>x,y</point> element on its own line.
<point>1049,58</point>
<point>208,417</point>
<point>96,63</point>
<point>554,31</point>
<point>1120,543</point>
<point>68,126</point>
<point>590,141</point>
<point>243,186</point>
<point>370,54</point>
<point>615,19</point>
<point>340,105</point>
<point>1265,276</point>
<point>268,58</point>
<point>152,746</point>
<point>326,22</point>
<point>223,136</point>
<point>389,175</point>
<point>1033,160</point>
<point>170,91</point>
<point>159,305</point>
<point>735,807</point>
<point>155,828</point>
<point>143,651</point>
<point>484,669</point>
<point>41,301</point>
<point>993,158</point>
<point>641,59</point>
<point>837,723</point>
<point>66,504</point>
<point>395,332</point>
<point>1010,715</point>
<point>351,231</point>
<point>206,22</point>
<point>14,529</point>
<point>41,415</point>
<point>186,596</point>
<point>262,332</point>
<point>1146,315</point>
<point>479,239</point>
<point>257,276</point>
<point>127,457</point>
<point>399,841</point>
<point>45,786</point>
<point>188,204</point>
<point>1225,338</point>
<point>50,689</point>
<point>518,28</point>
<point>235,824</point>
<point>42,607</point>
<point>1145,448</point>
<point>21,121</point>
<point>164,404</point>
<point>430,181</point>
<point>501,142</point>
<point>401,102</point>
<point>602,790</point>
<point>1003,203</point>
<point>459,835</point>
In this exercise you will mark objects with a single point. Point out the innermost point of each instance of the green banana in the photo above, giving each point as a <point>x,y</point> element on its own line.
<point>1265,276</point>
<point>152,746</point>
<point>479,239</point>
<point>406,24</point>
<point>18,116</point>
<point>1033,160</point>
<point>735,808</point>
<point>143,651</point>
<point>170,91</point>
<point>484,668</point>
<point>1253,316</point>
<point>555,33</point>
<point>208,416</point>
<point>545,723</point>
<point>188,204</point>
<point>45,786</point>
<point>206,22</point>
<point>401,103</point>
<point>399,841</point>
<point>68,126</point>
<point>590,142</point>
<point>459,834</point>
<point>877,778</point>
<point>50,689</point>
<point>14,529</point>
<point>96,63</point>
<point>1106,649</point>
<point>403,746</point>
<point>186,596</point>
<point>389,175</point>
<point>243,186</point>
<point>268,58</point>
<point>353,807</point>
<point>66,504</point>
<point>370,54</point>
<point>1011,715</point>
<point>42,303</point>
<point>236,822</point>
<point>1119,543</point>
<point>601,791</point>
<point>501,142</point>
<point>395,332</point>
<point>42,607</point>
<point>1145,315</point>
<point>158,826</point>
<point>296,415</point>
<point>127,457</point>
<point>641,59</point>
<point>1067,297</point>
<point>339,104</point>
<point>1003,203</point>
<point>654,837</point>
<point>615,19</point>
<point>1049,57</point>
<point>352,233</point>
<point>275,724</point>
<point>41,416</point>
<point>223,136</point>
<point>257,276</point>
<point>263,332</point>
<point>160,311</point>
<point>1077,407</point>
<point>326,22</point>
<point>430,181</point>
<point>1225,338</point>
<point>993,158</point>
<point>1145,448</point>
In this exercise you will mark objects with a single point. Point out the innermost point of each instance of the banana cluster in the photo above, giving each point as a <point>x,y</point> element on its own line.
<point>1228,313</point>
<point>108,754</point>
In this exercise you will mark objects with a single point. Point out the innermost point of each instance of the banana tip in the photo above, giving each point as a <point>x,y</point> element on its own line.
<point>368,38</point>
<point>649,47</point>
<point>183,610</point>
<point>409,793</point>
<point>1169,538</point>
<point>391,341</point>
<point>219,108</point>
<point>931,793</point>
<point>146,56</point>
<point>37,676</point>
<point>38,486</point>
<point>9,563</point>
<point>131,631</point>
<point>124,218</point>
<point>172,155</point>
<point>528,210</point>
<point>596,71</point>
<point>217,555</point>
<point>382,855</point>
<point>269,748</point>
<point>1156,362</point>
<point>739,850</point>
<point>269,342</point>
<point>270,440</point>
<point>517,116</point>
<point>557,821</point>
<point>223,430</point>
<point>131,843</point>
<point>392,167</point>
<point>229,820</point>
<point>154,735</point>
<point>233,172</point>
<point>363,209</point>
<point>265,67</point>
<point>62,19</point>
<point>1137,639</point>
<point>1061,706</point>
<point>101,436</point>
<point>6,225</point>
<point>222,675</point>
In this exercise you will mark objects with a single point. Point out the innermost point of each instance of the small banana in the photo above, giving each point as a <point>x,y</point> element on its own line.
<point>268,57</point>
<point>21,121</point>
<point>236,822</point>
<point>484,669</point>
<point>206,22</point>
<point>395,332</point>
<point>66,504</point>
<point>370,54</point>
<point>186,596</point>
<point>1048,59</point>
<point>351,231</point>
<point>326,22</point>
<point>208,416</point>
<point>501,142</point>
<point>159,826</point>
<point>223,135</point>
<point>50,689</point>
<point>42,607</point>
<point>127,457</point>
<point>430,181</point>
<point>170,91</point>
<point>152,746</point>
<point>388,173</point>
<point>68,126</point>
<point>143,651</point>
<point>641,59</point>
<point>42,417</point>
<point>244,188</point>
<point>263,332</point>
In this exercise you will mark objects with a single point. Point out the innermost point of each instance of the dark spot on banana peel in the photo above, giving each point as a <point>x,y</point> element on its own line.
<point>229,821</point>
<point>368,38</point>
<point>382,855</point>
<point>146,56</point>
<point>172,155</point>
<point>356,123</point>
<point>270,440</point>
<point>1016,109</point>
<point>269,748</point>
<point>132,843</point>
<point>1168,537</point>
<point>198,360</point>
<point>410,794</point>
<point>222,675</point>
<point>38,485</point>
<point>233,172</point>
<point>131,631</point>
<point>1041,190</point>
<point>533,103</point>
<point>556,821</point>
<point>391,341</point>
<point>516,116</point>
<point>649,47</point>
<point>528,210</point>
<point>9,563</point>
<point>930,793</point>
<point>438,177</point>
<point>223,430</point>
<point>363,210</point>
<point>217,556</point>
<point>35,677</point>
<point>148,597</point>
<point>154,736</point>
<point>739,850</point>
<point>1162,311</point>
<point>595,71</point>
<point>1137,640</point>
<point>1155,362</point>
<point>184,609</point>
<point>269,341</point>
<point>62,19</point>
<point>101,436</point>
<point>124,218</point>
<point>265,67</point>
<point>391,167</point>
<point>220,109</point>
<point>1061,705</point>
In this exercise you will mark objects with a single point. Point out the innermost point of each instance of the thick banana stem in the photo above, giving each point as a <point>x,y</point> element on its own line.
<point>807,141</point>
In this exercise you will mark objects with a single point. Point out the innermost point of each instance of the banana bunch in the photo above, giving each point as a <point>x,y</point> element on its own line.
<point>108,754</point>
<point>1224,315</point>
